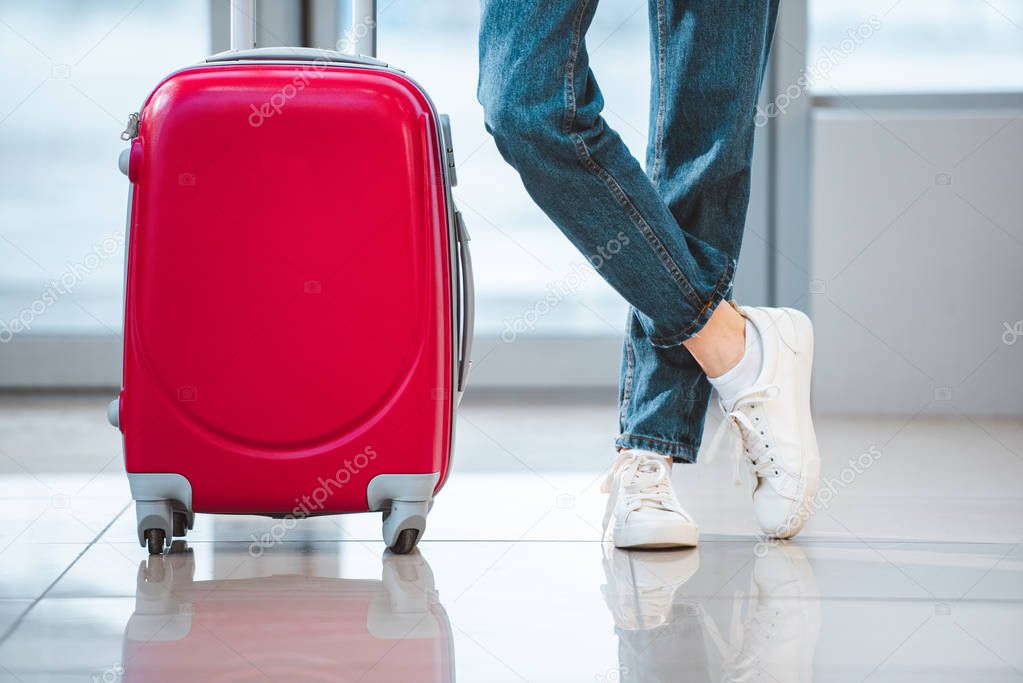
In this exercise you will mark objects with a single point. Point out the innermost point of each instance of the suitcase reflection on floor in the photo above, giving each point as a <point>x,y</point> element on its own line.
<point>688,615</point>
<point>287,627</point>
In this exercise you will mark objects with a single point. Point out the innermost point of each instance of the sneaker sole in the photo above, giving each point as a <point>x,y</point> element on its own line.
<point>655,536</point>
<point>809,480</point>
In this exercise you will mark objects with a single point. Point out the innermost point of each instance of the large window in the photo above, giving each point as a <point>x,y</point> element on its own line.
<point>73,71</point>
<point>522,261</point>
<point>885,46</point>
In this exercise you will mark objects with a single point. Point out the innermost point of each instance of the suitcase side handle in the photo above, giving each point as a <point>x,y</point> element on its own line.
<point>468,294</point>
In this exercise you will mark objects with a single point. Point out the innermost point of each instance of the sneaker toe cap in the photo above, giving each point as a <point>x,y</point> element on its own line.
<point>777,515</point>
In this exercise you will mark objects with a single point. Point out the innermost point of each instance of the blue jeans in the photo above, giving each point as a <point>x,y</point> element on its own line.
<point>666,239</point>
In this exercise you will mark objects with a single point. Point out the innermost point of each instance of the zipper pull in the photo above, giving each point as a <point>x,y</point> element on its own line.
<point>132,130</point>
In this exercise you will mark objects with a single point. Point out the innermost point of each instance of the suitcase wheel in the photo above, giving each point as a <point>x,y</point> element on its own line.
<point>180,524</point>
<point>406,542</point>
<point>155,540</point>
<point>159,521</point>
<point>154,524</point>
<point>404,524</point>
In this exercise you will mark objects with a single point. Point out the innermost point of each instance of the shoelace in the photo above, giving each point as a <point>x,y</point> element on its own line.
<point>644,479</point>
<point>751,445</point>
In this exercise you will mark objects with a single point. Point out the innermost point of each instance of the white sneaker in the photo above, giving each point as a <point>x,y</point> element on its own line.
<point>644,507</point>
<point>773,422</point>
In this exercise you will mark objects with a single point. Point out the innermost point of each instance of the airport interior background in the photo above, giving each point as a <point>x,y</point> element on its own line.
<point>886,204</point>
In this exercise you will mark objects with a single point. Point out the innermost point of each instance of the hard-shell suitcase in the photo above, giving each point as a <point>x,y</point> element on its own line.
<point>298,304</point>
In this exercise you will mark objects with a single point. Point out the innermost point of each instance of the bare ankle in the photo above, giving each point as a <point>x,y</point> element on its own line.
<point>721,343</point>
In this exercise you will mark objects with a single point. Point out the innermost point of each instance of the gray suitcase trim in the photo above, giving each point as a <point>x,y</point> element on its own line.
<point>293,54</point>
<point>158,497</point>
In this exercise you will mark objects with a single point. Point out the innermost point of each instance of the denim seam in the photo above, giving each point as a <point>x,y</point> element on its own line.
<point>627,383</point>
<point>716,295</point>
<point>570,102</point>
<point>661,87</point>
<point>583,152</point>
<point>637,219</point>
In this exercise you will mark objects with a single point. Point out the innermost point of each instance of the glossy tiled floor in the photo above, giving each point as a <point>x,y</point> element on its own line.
<point>911,570</point>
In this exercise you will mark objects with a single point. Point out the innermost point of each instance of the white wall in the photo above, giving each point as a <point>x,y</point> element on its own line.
<point>917,260</point>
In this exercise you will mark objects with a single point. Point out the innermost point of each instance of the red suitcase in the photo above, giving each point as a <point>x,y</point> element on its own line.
<point>298,305</point>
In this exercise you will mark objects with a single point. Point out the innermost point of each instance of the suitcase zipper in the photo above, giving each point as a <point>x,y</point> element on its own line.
<point>131,131</point>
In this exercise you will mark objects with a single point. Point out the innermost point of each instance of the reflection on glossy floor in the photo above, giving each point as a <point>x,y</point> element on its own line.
<point>896,579</point>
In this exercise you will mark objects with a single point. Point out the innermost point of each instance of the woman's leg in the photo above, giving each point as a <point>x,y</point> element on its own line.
<point>677,239</point>
<point>543,106</point>
<point>707,63</point>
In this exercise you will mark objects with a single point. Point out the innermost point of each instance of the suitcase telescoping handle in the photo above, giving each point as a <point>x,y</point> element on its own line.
<point>243,24</point>
<point>359,33</point>
<point>360,36</point>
